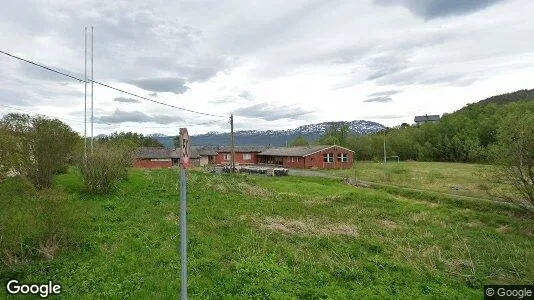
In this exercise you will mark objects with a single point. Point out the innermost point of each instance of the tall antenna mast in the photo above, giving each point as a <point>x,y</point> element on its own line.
<point>85,102</point>
<point>92,89</point>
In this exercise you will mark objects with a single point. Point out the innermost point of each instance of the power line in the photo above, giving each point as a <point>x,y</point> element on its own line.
<point>156,127</point>
<point>155,101</point>
<point>40,114</point>
<point>41,66</point>
<point>102,123</point>
<point>109,86</point>
<point>207,123</point>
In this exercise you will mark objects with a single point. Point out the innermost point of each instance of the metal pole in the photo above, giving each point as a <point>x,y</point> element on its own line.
<point>183,232</point>
<point>233,141</point>
<point>91,89</point>
<point>85,102</point>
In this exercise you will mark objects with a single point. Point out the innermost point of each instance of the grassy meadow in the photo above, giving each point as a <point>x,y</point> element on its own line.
<point>474,180</point>
<point>284,238</point>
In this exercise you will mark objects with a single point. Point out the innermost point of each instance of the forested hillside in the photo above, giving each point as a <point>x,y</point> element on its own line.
<point>470,134</point>
<point>510,97</point>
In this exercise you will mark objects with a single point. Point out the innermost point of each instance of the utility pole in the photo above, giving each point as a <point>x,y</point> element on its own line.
<point>92,89</point>
<point>85,102</point>
<point>232,141</point>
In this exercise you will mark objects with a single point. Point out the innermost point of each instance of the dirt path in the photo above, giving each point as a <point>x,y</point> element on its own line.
<point>310,173</point>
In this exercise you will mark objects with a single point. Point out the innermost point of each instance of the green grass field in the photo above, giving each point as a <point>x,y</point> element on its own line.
<point>284,238</point>
<point>473,180</point>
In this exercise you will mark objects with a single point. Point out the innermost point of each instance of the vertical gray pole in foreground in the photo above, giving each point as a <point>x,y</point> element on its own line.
<point>184,164</point>
<point>183,232</point>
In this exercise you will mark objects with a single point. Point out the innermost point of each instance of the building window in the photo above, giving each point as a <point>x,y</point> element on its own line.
<point>160,159</point>
<point>227,156</point>
<point>292,159</point>
<point>343,157</point>
<point>247,156</point>
<point>328,157</point>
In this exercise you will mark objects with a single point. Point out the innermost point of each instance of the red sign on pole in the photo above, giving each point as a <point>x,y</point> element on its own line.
<point>184,148</point>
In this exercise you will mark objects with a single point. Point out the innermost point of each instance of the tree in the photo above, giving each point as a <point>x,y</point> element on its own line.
<point>299,141</point>
<point>516,153</point>
<point>8,155</point>
<point>131,140</point>
<point>36,147</point>
<point>467,135</point>
<point>336,134</point>
<point>16,128</point>
<point>54,144</point>
<point>150,142</point>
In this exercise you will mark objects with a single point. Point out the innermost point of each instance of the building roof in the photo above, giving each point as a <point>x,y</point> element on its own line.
<point>156,152</point>
<point>198,151</point>
<point>426,118</point>
<point>298,151</point>
<point>241,149</point>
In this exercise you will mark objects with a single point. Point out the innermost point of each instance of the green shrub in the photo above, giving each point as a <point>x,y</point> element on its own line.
<point>16,187</point>
<point>35,147</point>
<point>36,225</point>
<point>104,167</point>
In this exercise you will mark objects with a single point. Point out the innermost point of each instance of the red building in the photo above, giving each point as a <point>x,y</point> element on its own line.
<point>305,157</point>
<point>309,157</point>
<point>244,155</point>
<point>152,157</point>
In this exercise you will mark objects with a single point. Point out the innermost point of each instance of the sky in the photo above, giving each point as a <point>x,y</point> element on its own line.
<point>273,64</point>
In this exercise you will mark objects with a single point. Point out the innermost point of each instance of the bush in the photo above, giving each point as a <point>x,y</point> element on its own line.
<point>104,167</point>
<point>515,144</point>
<point>35,147</point>
<point>35,225</point>
<point>16,186</point>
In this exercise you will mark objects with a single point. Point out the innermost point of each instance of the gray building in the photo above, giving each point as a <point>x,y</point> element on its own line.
<point>203,155</point>
<point>426,119</point>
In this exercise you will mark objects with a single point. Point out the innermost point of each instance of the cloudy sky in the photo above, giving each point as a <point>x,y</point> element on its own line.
<point>274,64</point>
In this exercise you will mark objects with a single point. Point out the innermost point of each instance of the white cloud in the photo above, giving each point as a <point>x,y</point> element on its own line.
<point>280,64</point>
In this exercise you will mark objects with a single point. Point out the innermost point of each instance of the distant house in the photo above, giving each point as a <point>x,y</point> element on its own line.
<point>308,157</point>
<point>155,157</point>
<point>426,119</point>
<point>243,155</point>
<point>201,156</point>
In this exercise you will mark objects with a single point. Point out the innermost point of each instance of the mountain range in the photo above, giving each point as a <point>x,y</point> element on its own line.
<point>273,137</point>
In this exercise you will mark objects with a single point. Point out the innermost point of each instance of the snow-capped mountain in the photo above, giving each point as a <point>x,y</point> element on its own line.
<point>275,137</point>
